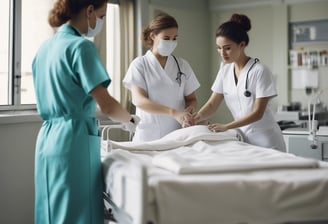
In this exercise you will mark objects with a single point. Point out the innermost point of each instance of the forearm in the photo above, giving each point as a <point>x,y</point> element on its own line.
<point>191,105</point>
<point>206,112</point>
<point>209,108</point>
<point>116,112</point>
<point>255,115</point>
<point>141,100</point>
<point>190,102</point>
<point>251,118</point>
<point>153,107</point>
<point>109,106</point>
<point>156,108</point>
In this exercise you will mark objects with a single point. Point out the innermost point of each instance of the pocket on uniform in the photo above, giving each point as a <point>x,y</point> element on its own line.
<point>94,145</point>
<point>94,154</point>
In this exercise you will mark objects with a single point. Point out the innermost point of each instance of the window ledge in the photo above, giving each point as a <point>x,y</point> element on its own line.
<point>32,116</point>
<point>13,117</point>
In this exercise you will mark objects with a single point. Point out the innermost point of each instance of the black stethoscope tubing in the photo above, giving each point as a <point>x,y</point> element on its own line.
<point>247,93</point>
<point>178,78</point>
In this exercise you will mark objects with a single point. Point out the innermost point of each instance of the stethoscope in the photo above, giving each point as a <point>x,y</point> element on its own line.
<point>247,93</point>
<point>180,73</point>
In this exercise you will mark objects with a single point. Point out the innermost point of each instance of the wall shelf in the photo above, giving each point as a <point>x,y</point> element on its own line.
<point>308,32</point>
<point>307,67</point>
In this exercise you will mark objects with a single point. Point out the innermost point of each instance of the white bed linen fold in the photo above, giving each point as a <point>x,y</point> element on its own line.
<point>180,137</point>
<point>198,150</point>
<point>227,156</point>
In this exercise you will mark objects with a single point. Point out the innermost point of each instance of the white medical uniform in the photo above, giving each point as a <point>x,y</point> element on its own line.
<point>162,87</point>
<point>265,132</point>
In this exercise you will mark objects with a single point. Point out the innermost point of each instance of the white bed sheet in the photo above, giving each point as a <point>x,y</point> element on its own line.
<point>295,191</point>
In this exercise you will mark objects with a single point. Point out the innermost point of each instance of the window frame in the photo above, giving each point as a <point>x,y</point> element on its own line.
<point>15,59</point>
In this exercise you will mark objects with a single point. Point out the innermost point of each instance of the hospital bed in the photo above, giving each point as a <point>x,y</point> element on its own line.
<point>196,176</point>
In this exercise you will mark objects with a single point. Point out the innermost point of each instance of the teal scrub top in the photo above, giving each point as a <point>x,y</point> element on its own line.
<point>68,181</point>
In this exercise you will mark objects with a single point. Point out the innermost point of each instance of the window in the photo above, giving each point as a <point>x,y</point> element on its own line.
<point>35,30</point>
<point>21,38</point>
<point>113,49</point>
<point>4,50</point>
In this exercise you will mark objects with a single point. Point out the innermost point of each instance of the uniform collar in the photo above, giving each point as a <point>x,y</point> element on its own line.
<point>150,55</point>
<point>66,28</point>
<point>249,64</point>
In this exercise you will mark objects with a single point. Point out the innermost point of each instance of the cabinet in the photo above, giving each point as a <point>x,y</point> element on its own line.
<point>298,143</point>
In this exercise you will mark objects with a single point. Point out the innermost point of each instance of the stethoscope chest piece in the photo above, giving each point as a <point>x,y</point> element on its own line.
<point>247,93</point>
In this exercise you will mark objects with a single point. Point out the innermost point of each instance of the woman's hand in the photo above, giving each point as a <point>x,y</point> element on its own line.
<point>190,109</point>
<point>196,118</point>
<point>189,120</point>
<point>217,127</point>
<point>183,117</point>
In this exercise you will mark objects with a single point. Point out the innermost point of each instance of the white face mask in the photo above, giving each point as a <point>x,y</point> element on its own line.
<point>93,32</point>
<point>166,47</point>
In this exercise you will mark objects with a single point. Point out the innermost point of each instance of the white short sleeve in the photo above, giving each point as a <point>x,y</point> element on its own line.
<point>265,85</point>
<point>135,74</point>
<point>192,82</point>
<point>217,86</point>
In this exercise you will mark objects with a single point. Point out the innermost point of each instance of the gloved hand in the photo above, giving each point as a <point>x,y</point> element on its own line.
<point>132,124</point>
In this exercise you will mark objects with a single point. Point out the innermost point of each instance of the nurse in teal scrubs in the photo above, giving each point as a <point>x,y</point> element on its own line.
<point>69,80</point>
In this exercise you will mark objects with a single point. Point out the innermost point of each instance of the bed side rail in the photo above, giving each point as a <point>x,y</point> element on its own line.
<point>125,181</point>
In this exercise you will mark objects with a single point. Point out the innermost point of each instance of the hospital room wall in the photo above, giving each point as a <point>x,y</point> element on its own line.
<point>17,145</point>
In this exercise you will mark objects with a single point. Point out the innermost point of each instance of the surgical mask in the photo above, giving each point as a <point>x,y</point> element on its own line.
<point>93,32</point>
<point>166,47</point>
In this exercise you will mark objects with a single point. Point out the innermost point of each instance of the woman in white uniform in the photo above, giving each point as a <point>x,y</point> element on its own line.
<point>247,87</point>
<point>163,86</point>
